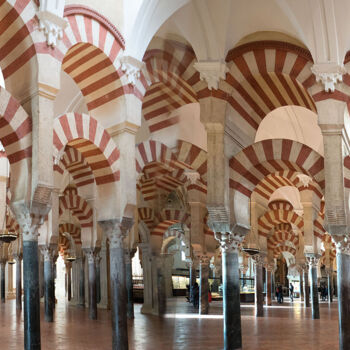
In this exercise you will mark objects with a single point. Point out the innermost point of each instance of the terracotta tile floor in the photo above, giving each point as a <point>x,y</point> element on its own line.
<point>284,327</point>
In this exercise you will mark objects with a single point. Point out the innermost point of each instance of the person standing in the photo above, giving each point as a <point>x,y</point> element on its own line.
<point>291,291</point>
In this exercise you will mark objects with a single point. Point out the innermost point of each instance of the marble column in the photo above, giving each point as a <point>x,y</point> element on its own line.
<point>129,284</point>
<point>31,293</point>
<point>343,280</point>
<point>104,276</point>
<point>161,285</point>
<point>259,296</point>
<point>48,284</point>
<point>98,278</point>
<point>301,285</point>
<point>268,270</point>
<point>313,261</point>
<point>41,276</point>
<point>18,259</point>
<point>231,293</point>
<point>330,284</point>
<point>69,280</point>
<point>306,287</point>
<point>114,231</point>
<point>273,286</point>
<point>148,296</point>
<point>81,269</point>
<point>167,263</point>
<point>204,285</point>
<point>3,289</point>
<point>192,272</point>
<point>90,254</point>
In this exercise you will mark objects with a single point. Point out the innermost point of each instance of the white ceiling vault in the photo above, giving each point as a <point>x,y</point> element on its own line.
<point>212,27</point>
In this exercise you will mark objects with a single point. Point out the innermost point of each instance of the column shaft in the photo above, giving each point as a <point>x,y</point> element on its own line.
<point>3,292</point>
<point>259,296</point>
<point>301,287</point>
<point>268,288</point>
<point>119,299</point>
<point>330,287</point>
<point>18,284</point>
<point>306,289</point>
<point>161,285</point>
<point>69,282</point>
<point>48,292</point>
<point>129,288</point>
<point>41,276</point>
<point>204,288</point>
<point>273,288</point>
<point>98,280</point>
<point>314,293</point>
<point>343,275</point>
<point>231,301</point>
<point>92,290</point>
<point>31,296</point>
<point>192,278</point>
<point>81,298</point>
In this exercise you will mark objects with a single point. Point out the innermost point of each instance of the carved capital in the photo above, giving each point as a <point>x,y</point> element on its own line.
<point>211,72</point>
<point>304,179</point>
<point>47,253</point>
<point>115,232</point>
<point>312,259</point>
<point>132,68</point>
<point>91,255</point>
<point>328,74</point>
<point>270,267</point>
<point>204,260</point>
<point>259,260</point>
<point>30,224</point>
<point>342,243</point>
<point>229,242</point>
<point>192,176</point>
<point>51,20</point>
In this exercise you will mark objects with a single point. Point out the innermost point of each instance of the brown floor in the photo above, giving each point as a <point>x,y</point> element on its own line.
<point>284,327</point>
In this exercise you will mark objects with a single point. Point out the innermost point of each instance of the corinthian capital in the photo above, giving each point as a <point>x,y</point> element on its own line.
<point>229,242</point>
<point>312,259</point>
<point>116,231</point>
<point>329,74</point>
<point>342,244</point>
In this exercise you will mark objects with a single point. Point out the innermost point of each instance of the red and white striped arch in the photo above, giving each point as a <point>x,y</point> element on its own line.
<point>163,169</point>
<point>194,158</point>
<point>263,76</point>
<point>319,230</point>
<point>347,171</point>
<point>146,214</point>
<point>250,166</point>
<point>272,218</point>
<point>72,229</point>
<point>152,151</point>
<point>284,249</point>
<point>74,162</point>
<point>280,236</point>
<point>63,244</point>
<point>88,137</point>
<point>20,42</point>
<point>169,217</point>
<point>15,128</point>
<point>170,80</point>
<point>269,184</point>
<point>90,50</point>
<point>79,207</point>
